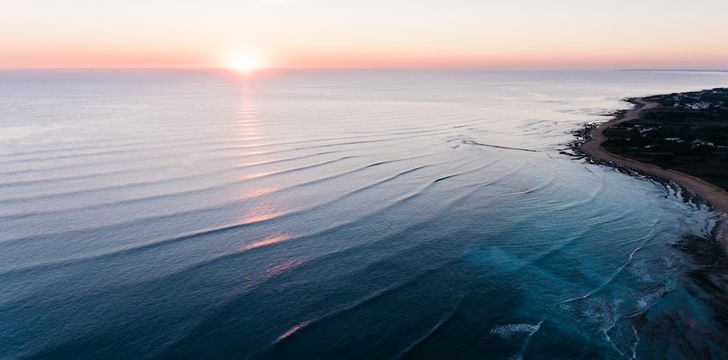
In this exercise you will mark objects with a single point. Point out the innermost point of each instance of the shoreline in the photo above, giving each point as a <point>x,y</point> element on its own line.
<point>712,194</point>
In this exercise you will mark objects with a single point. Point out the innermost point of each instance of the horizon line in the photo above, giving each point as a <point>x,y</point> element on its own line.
<point>273,69</point>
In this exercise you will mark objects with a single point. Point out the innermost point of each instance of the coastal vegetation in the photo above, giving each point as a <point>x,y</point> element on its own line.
<point>687,132</point>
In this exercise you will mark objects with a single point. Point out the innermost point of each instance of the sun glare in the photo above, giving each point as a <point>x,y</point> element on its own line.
<point>245,62</point>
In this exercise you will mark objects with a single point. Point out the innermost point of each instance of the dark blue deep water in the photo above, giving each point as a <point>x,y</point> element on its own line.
<point>332,214</point>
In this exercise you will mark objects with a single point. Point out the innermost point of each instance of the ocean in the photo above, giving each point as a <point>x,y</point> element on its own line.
<point>339,214</point>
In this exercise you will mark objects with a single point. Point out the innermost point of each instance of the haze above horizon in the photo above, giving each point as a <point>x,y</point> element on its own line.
<point>328,34</point>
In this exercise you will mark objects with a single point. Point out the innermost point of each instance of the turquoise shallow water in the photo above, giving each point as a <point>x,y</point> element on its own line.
<point>333,214</point>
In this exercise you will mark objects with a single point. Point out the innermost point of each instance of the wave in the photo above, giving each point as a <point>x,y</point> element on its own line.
<point>473,142</point>
<point>352,251</point>
<point>538,187</point>
<point>358,303</point>
<point>507,331</point>
<point>144,183</point>
<point>200,191</point>
<point>116,173</point>
<point>609,279</point>
<point>147,156</point>
<point>431,332</point>
<point>134,147</point>
<point>208,232</point>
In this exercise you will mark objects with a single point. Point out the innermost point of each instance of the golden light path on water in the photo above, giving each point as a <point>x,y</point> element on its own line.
<point>364,214</point>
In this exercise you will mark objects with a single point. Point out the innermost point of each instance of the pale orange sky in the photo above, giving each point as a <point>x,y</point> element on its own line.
<point>365,34</point>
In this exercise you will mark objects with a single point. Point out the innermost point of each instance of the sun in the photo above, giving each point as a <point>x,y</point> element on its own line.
<point>245,62</point>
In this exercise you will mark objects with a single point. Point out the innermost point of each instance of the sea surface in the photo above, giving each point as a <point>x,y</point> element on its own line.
<point>339,214</point>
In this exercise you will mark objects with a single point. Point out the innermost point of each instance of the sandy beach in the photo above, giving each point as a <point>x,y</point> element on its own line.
<point>715,196</point>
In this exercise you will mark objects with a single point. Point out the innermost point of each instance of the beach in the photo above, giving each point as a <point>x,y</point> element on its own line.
<point>715,196</point>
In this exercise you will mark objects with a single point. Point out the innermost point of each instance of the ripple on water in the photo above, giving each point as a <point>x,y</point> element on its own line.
<point>407,214</point>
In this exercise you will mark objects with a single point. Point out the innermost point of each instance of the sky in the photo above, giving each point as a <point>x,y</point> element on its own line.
<point>488,34</point>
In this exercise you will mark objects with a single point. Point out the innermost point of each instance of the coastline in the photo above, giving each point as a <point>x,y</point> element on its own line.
<point>713,195</point>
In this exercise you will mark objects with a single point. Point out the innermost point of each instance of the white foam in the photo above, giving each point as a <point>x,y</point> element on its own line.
<point>644,302</point>
<point>508,330</point>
